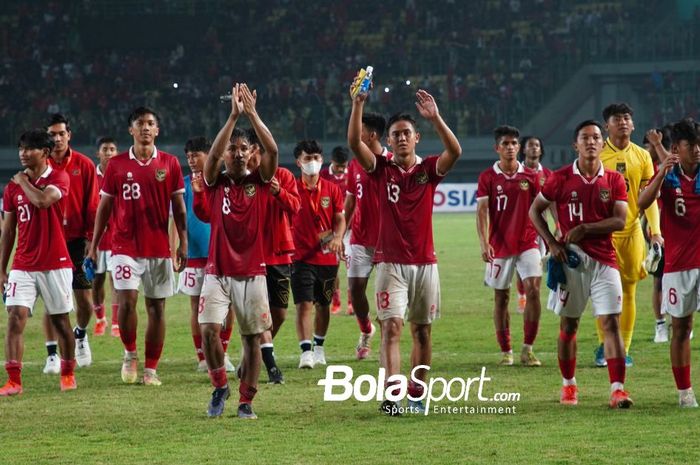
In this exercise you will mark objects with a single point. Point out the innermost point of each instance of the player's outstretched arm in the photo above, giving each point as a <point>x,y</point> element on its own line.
<point>270,156</point>
<point>363,154</point>
<point>7,240</point>
<point>212,166</point>
<point>104,211</point>
<point>654,137</point>
<point>180,220</point>
<point>651,192</point>
<point>39,198</point>
<point>425,103</point>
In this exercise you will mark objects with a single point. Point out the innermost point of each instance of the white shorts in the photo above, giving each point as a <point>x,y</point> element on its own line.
<point>542,246</point>
<point>248,297</point>
<point>54,287</point>
<point>499,272</point>
<point>409,292</point>
<point>103,261</point>
<point>156,274</point>
<point>360,261</point>
<point>190,281</point>
<point>681,292</point>
<point>590,279</point>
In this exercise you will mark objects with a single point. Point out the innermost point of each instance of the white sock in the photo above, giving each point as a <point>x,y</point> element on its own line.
<point>527,347</point>
<point>615,386</point>
<point>569,382</point>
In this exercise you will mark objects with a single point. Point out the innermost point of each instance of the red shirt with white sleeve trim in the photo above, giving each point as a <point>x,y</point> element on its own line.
<point>41,244</point>
<point>509,198</point>
<point>279,242</point>
<point>406,211</point>
<point>237,214</point>
<point>680,223</point>
<point>581,200</point>
<point>82,199</point>
<point>142,194</point>
<point>364,223</point>
<point>314,220</point>
<point>106,241</point>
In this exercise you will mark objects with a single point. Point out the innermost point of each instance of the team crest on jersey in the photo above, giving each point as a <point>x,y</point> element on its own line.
<point>542,180</point>
<point>422,177</point>
<point>160,175</point>
<point>621,168</point>
<point>249,190</point>
<point>357,176</point>
<point>524,185</point>
<point>76,172</point>
<point>605,195</point>
<point>325,202</point>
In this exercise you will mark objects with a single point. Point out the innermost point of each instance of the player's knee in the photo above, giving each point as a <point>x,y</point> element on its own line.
<point>391,329</point>
<point>502,297</point>
<point>611,323</point>
<point>421,334</point>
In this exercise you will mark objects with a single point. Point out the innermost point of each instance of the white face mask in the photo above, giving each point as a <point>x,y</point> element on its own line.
<point>311,168</point>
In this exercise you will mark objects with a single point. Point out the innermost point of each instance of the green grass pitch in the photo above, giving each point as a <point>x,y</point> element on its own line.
<point>107,422</point>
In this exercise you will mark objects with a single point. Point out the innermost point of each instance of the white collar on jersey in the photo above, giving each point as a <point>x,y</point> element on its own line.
<point>133,156</point>
<point>601,170</point>
<point>99,170</point>
<point>539,168</point>
<point>46,172</point>
<point>497,169</point>
<point>419,161</point>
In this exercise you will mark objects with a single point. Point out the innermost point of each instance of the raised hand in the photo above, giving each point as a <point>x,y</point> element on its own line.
<point>248,99</point>
<point>236,103</point>
<point>654,137</point>
<point>425,103</point>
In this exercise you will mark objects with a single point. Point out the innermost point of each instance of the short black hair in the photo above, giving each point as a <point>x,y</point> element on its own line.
<point>617,108</point>
<point>36,139</point>
<point>665,136</point>
<point>58,118</point>
<point>141,111</point>
<point>503,131</point>
<point>238,133</point>
<point>253,139</point>
<point>375,122</point>
<point>685,129</point>
<point>523,143</point>
<point>197,144</point>
<point>308,146</point>
<point>583,124</point>
<point>396,117</point>
<point>340,154</point>
<point>106,140</point>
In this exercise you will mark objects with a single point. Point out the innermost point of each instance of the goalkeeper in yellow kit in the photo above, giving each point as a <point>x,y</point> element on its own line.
<point>635,165</point>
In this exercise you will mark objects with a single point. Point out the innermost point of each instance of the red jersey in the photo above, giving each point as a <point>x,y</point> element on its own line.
<point>329,175</point>
<point>405,211</point>
<point>365,219</point>
<point>279,243</point>
<point>315,220</point>
<point>680,222</point>
<point>509,198</point>
<point>237,215</point>
<point>142,194</point>
<point>106,241</point>
<point>543,173</point>
<point>82,199</point>
<point>580,200</point>
<point>41,244</point>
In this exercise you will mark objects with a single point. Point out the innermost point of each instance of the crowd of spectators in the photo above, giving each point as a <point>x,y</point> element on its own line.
<point>487,62</point>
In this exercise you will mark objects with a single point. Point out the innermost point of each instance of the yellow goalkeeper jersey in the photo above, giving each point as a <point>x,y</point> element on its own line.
<point>635,165</point>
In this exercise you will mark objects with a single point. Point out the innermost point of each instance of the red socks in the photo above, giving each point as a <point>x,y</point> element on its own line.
<point>198,347</point>
<point>99,311</point>
<point>530,330</point>
<point>503,337</point>
<point>616,370</point>
<point>247,393</point>
<point>14,371</point>
<point>153,351</point>
<point>115,314</point>
<point>365,324</point>
<point>225,336</point>
<point>218,377</point>
<point>682,377</point>
<point>67,367</point>
<point>128,339</point>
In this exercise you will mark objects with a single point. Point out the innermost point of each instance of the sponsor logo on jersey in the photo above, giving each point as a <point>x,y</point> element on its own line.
<point>129,176</point>
<point>325,202</point>
<point>249,190</point>
<point>524,185</point>
<point>160,175</point>
<point>604,195</point>
<point>422,177</point>
<point>574,194</point>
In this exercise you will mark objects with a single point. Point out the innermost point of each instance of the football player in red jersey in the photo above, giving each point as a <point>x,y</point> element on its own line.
<point>139,187</point>
<point>591,203</point>
<point>677,185</point>
<point>407,282</point>
<point>106,149</point>
<point>33,204</point>
<point>509,240</point>
<point>80,207</point>
<point>238,201</point>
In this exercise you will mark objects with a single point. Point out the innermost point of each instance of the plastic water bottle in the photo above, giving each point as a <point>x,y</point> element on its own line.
<point>365,83</point>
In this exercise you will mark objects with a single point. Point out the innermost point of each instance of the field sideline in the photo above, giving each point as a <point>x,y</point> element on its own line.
<point>107,422</point>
